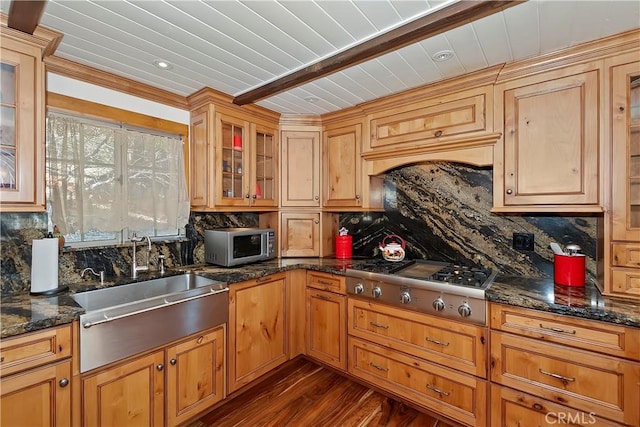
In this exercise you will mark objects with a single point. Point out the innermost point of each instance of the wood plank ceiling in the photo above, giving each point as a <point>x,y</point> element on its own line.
<point>238,46</point>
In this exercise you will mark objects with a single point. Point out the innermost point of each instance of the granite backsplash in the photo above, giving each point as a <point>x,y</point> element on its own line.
<point>441,210</point>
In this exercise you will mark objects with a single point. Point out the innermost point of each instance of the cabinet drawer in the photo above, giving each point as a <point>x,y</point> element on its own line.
<point>579,379</point>
<point>447,392</point>
<point>34,349</point>
<point>513,408</point>
<point>429,120</point>
<point>456,345</point>
<point>625,255</point>
<point>326,282</point>
<point>625,281</point>
<point>586,334</point>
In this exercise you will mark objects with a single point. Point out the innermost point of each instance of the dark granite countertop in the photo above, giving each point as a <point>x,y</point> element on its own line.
<point>20,313</point>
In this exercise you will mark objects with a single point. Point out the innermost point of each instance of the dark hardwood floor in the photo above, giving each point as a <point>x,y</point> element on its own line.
<point>304,394</point>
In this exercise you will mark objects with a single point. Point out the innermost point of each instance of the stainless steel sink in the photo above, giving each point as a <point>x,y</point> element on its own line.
<point>146,293</point>
<point>125,320</point>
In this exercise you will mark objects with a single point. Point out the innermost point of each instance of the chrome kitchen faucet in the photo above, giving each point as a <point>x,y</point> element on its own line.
<point>134,265</point>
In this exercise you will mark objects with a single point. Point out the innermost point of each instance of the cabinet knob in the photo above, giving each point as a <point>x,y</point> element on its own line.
<point>317,198</point>
<point>438,134</point>
<point>246,195</point>
<point>173,362</point>
<point>64,382</point>
<point>254,196</point>
<point>509,191</point>
<point>159,366</point>
<point>357,197</point>
<point>317,221</point>
<point>621,108</point>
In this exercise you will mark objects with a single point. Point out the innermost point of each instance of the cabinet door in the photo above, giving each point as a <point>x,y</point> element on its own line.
<point>232,161</point>
<point>300,169</point>
<point>300,234</point>
<point>625,186</point>
<point>21,145</point>
<point>326,327</point>
<point>200,181</point>
<point>131,394</point>
<point>195,375</point>
<point>551,142</point>
<point>39,397</point>
<point>342,180</point>
<point>257,331</point>
<point>263,189</point>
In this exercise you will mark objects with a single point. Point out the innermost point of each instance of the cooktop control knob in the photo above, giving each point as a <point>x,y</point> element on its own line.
<point>405,297</point>
<point>438,304</point>
<point>464,310</point>
<point>358,289</point>
<point>377,292</point>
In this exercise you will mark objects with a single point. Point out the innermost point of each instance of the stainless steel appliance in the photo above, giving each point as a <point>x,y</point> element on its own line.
<point>235,246</point>
<point>437,288</point>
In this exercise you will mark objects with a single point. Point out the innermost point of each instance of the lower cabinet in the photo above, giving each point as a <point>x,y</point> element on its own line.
<point>513,408</point>
<point>38,397</point>
<point>257,328</point>
<point>35,389</point>
<point>444,391</point>
<point>188,376</point>
<point>326,327</point>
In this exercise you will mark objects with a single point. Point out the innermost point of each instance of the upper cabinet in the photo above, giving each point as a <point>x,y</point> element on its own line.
<point>548,156</point>
<point>300,168</point>
<point>22,104</point>
<point>234,156</point>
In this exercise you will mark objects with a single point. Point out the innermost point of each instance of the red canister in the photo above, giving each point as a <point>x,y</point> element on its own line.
<point>344,246</point>
<point>569,270</point>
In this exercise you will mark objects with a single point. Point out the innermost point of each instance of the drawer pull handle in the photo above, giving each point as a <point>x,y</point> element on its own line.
<point>556,329</point>
<point>437,390</point>
<point>324,297</point>
<point>263,279</point>
<point>378,325</point>
<point>200,339</point>
<point>1,359</point>
<point>431,340</point>
<point>378,367</point>
<point>557,376</point>
<point>324,282</point>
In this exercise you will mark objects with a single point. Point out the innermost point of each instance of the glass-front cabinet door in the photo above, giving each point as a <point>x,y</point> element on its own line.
<point>232,154</point>
<point>263,187</point>
<point>20,152</point>
<point>626,152</point>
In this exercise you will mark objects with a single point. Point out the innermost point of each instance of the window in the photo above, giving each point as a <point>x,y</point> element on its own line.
<point>106,181</point>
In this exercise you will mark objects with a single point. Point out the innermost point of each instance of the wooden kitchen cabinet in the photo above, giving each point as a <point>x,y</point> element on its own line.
<point>300,183</point>
<point>35,389</point>
<point>584,365</point>
<point>622,231</point>
<point>342,175</point>
<point>513,408</point>
<point>307,234</point>
<point>460,346</point>
<point>185,378</point>
<point>127,394</point>
<point>22,99</point>
<point>326,319</point>
<point>234,156</point>
<point>257,329</point>
<point>195,375</point>
<point>461,397</point>
<point>548,156</point>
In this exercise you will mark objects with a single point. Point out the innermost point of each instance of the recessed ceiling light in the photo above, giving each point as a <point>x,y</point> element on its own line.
<point>443,55</point>
<point>162,64</point>
<point>312,99</point>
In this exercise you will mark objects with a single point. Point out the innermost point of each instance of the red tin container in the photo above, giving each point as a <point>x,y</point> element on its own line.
<point>344,246</point>
<point>569,270</point>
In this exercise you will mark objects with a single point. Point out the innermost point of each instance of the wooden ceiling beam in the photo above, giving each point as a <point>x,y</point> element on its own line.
<point>25,15</point>
<point>452,16</point>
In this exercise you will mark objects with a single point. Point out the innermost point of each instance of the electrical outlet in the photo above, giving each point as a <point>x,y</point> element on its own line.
<point>523,241</point>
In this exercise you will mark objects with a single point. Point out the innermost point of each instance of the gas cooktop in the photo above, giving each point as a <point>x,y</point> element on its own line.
<point>439,288</point>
